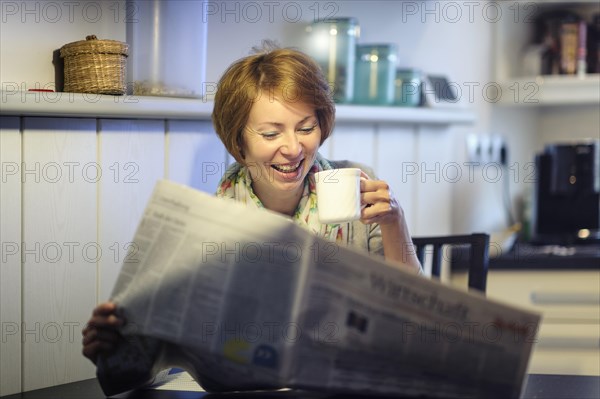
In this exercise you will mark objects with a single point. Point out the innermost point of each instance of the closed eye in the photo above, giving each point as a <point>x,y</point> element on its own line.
<point>307,130</point>
<point>269,135</point>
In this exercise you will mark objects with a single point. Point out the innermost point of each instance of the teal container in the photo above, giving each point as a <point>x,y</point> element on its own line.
<point>407,88</point>
<point>375,74</point>
<point>332,43</point>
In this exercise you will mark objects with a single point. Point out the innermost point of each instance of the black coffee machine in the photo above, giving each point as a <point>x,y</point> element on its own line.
<point>566,207</point>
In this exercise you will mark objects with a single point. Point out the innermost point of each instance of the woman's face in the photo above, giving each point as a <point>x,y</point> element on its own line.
<point>281,140</point>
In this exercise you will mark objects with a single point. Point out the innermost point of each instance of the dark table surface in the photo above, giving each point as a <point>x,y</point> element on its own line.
<point>527,256</point>
<point>553,257</point>
<point>537,386</point>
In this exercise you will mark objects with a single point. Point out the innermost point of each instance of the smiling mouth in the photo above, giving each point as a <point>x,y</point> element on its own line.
<point>289,168</point>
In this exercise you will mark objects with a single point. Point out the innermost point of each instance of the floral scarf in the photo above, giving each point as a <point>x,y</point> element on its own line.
<point>236,184</point>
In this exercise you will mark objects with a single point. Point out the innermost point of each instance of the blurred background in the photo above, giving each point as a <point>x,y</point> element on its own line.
<point>482,116</point>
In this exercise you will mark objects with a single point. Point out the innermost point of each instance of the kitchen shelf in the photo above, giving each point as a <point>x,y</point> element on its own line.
<point>140,107</point>
<point>421,115</point>
<point>62,104</point>
<point>542,3</point>
<point>551,90</point>
<point>513,36</point>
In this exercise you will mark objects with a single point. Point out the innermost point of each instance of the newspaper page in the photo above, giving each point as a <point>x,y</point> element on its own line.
<point>244,299</point>
<point>376,330</point>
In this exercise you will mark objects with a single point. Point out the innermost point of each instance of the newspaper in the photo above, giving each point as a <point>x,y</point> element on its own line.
<point>244,299</point>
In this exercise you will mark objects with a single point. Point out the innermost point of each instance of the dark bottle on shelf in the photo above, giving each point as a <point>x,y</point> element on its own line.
<point>569,44</point>
<point>593,45</point>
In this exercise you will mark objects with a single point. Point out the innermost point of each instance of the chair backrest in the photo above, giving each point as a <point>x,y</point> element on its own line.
<point>478,255</point>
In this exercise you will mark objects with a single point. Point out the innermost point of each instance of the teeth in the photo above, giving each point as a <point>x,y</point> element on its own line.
<point>287,168</point>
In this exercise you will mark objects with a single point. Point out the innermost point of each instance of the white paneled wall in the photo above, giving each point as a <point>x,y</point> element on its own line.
<point>196,154</point>
<point>10,272</point>
<point>433,181</point>
<point>396,145</point>
<point>132,159</point>
<point>73,191</point>
<point>59,220</point>
<point>353,141</point>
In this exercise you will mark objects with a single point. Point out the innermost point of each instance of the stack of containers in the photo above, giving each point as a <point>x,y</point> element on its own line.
<point>361,73</point>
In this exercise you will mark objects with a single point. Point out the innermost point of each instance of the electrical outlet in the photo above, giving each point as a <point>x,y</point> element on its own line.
<point>485,143</point>
<point>473,148</point>
<point>497,150</point>
<point>486,149</point>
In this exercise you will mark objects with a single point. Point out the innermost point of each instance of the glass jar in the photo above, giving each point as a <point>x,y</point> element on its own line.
<point>375,74</point>
<point>167,48</point>
<point>407,88</point>
<point>332,43</point>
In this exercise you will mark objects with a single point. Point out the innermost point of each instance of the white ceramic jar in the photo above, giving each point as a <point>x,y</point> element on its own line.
<point>167,48</point>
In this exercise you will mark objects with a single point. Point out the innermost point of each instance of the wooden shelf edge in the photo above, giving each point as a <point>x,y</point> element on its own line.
<point>420,115</point>
<point>138,107</point>
<point>551,91</point>
<point>102,106</point>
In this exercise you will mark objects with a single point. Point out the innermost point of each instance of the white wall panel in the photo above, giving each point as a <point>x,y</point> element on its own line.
<point>354,142</point>
<point>196,155</point>
<point>396,162</point>
<point>10,241</point>
<point>325,149</point>
<point>59,257</point>
<point>434,180</point>
<point>132,159</point>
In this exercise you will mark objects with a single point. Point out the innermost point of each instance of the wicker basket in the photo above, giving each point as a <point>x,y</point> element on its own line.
<point>95,66</point>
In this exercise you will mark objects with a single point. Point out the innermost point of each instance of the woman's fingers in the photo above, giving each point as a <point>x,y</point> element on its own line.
<point>105,308</point>
<point>374,191</point>
<point>100,333</point>
<point>92,350</point>
<point>104,315</point>
<point>379,213</point>
<point>110,321</point>
<point>94,334</point>
<point>375,197</point>
<point>380,206</point>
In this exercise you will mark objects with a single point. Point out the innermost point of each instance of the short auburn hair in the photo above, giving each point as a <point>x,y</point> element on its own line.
<point>284,73</point>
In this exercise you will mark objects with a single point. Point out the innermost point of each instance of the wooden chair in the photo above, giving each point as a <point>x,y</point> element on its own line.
<point>477,253</point>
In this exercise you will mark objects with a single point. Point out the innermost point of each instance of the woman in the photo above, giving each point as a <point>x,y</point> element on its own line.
<point>273,111</point>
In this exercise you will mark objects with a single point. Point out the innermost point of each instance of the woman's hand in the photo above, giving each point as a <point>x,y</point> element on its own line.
<point>380,206</point>
<point>100,335</point>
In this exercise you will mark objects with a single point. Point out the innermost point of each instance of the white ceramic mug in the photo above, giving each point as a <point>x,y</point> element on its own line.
<point>338,195</point>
